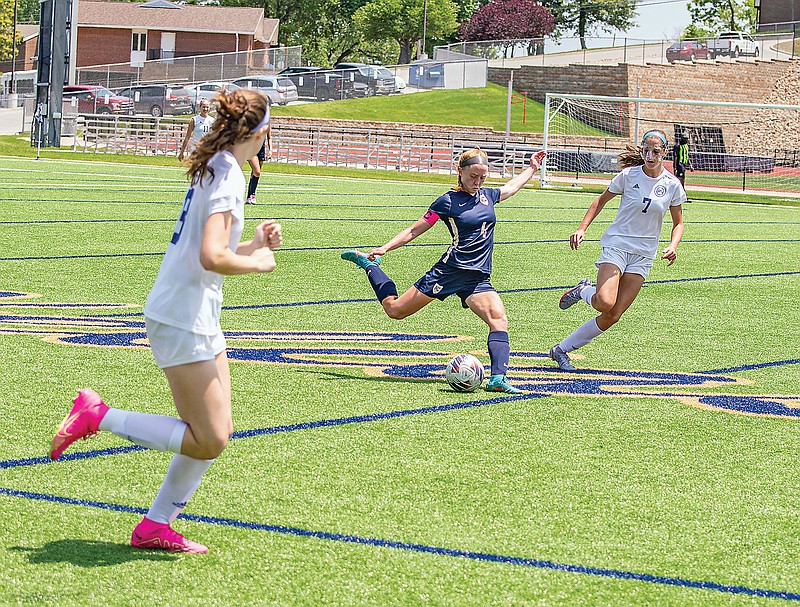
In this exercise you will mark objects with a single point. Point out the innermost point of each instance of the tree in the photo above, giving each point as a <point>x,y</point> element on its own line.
<point>710,16</point>
<point>508,20</point>
<point>7,33</point>
<point>402,20</point>
<point>585,17</point>
<point>28,11</point>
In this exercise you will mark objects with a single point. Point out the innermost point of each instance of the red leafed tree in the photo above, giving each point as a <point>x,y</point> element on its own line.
<point>507,20</point>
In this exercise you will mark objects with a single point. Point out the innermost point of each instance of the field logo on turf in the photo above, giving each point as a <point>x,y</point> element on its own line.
<point>380,355</point>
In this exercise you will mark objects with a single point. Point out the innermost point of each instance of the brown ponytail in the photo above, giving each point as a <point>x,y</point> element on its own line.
<point>238,113</point>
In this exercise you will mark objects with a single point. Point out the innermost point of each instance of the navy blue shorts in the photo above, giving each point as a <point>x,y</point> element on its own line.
<point>262,153</point>
<point>442,280</point>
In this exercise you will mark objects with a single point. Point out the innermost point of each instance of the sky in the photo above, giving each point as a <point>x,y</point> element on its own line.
<point>659,19</point>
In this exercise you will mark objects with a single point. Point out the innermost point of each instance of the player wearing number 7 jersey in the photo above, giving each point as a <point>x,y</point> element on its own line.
<point>182,317</point>
<point>630,244</point>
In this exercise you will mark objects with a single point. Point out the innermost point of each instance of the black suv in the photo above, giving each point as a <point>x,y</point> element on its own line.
<point>159,99</point>
<point>319,83</point>
<point>379,80</point>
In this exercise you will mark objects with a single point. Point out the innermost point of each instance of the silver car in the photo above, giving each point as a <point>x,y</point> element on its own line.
<point>280,89</point>
<point>205,90</point>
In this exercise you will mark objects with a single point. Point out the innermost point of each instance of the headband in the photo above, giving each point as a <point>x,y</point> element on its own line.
<point>265,121</point>
<point>479,159</point>
<point>655,134</point>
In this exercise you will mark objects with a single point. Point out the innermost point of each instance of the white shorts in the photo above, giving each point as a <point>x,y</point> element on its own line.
<point>172,346</point>
<point>626,262</point>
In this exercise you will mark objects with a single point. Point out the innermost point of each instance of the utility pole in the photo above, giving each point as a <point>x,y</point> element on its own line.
<point>14,56</point>
<point>423,54</point>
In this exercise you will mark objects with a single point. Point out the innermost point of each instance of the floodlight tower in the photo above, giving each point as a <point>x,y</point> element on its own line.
<point>58,25</point>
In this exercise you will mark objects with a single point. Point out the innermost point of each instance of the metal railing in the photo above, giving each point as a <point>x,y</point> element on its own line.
<point>387,149</point>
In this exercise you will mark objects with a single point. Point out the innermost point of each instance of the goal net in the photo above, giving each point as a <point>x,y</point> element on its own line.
<point>732,146</point>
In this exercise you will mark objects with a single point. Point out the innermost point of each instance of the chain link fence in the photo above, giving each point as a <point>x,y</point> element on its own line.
<point>603,50</point>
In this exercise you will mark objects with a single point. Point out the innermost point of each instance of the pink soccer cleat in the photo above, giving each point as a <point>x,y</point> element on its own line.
<point>160,536</point>
<point>83,421</point>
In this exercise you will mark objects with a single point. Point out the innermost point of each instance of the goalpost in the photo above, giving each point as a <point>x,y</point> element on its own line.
<point>732,146</point>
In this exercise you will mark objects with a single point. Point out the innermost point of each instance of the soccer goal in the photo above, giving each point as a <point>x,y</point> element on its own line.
<point>735,146</point>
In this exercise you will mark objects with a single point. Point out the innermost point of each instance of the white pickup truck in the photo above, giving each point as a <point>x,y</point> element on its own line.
<point>733,44</point>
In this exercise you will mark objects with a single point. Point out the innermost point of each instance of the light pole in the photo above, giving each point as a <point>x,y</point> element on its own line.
<point>423,54</point>
<point>14,52</point>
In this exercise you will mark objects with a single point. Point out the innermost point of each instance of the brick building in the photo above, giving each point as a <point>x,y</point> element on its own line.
<point>123,32</point>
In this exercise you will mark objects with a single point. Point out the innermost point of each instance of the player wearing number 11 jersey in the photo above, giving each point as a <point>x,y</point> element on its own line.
<point>630,244</point>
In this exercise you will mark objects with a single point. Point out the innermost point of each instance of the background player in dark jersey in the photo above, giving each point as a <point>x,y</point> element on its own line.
<point>465,268</point>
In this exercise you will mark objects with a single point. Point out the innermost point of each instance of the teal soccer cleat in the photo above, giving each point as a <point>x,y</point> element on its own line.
<point>361,260</point>
<point>499,383</point>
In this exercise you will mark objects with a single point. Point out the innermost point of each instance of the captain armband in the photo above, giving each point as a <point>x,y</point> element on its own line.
<point>430,217</point>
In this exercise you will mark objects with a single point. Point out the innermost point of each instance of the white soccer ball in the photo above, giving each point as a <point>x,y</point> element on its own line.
<point>464,373</point>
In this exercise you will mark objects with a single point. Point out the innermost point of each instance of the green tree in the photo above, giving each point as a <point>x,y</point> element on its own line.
<point>587,17</point>
<point>28,11</point>
<point>402,20</point>
<point>710,16</point>
<point>7,37</point>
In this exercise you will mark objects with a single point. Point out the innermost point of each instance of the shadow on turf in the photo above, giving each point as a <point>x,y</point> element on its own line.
<point>90,553</point>
<point>391,380</point>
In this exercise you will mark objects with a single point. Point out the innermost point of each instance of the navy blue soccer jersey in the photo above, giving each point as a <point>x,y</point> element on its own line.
<point>470,220</point>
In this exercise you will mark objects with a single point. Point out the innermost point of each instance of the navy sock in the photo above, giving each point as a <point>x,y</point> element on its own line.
<point>251,187</point>
<point>381,283</point>
<point>499,351</point>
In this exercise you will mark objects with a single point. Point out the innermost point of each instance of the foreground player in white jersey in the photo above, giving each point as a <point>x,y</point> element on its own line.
<point>630,244</point>
<point>198,127</point>
<point>182,316</point>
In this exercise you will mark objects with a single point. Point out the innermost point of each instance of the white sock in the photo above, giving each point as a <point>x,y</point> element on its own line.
<point>183,479</point>
<point>159,432</point>
<point>581,336</point>
<point>587,293</point>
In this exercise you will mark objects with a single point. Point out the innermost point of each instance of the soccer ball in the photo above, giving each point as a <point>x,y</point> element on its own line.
<point>464,373</point>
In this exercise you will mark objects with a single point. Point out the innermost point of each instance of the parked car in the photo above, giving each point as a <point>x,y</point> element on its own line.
<point>733,44</point>
<point>159,99</point>
<point>379,80</point>
<point>319,83</point>
<point>205,90</point>
<point>687,50</point>
<point>280,89</point>
<point>95,99</point>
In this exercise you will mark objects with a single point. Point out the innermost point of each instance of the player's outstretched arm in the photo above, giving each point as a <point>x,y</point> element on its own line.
<point>514,185</point>
<point>420,227</point>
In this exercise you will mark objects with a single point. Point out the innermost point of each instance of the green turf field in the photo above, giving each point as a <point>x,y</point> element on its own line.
<point>663,473</point>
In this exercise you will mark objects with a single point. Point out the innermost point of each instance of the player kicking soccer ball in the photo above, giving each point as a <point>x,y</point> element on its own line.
<point>629,244</point>
<point>465,267</point>
<point>183,325</point>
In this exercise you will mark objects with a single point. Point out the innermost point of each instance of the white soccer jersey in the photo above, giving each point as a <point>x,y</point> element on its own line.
<point>185,294</point>
<point>201,127</point>
<point>642,206</point>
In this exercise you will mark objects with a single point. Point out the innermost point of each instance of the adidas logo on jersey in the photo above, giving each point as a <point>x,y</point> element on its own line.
<point>635,186</point>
